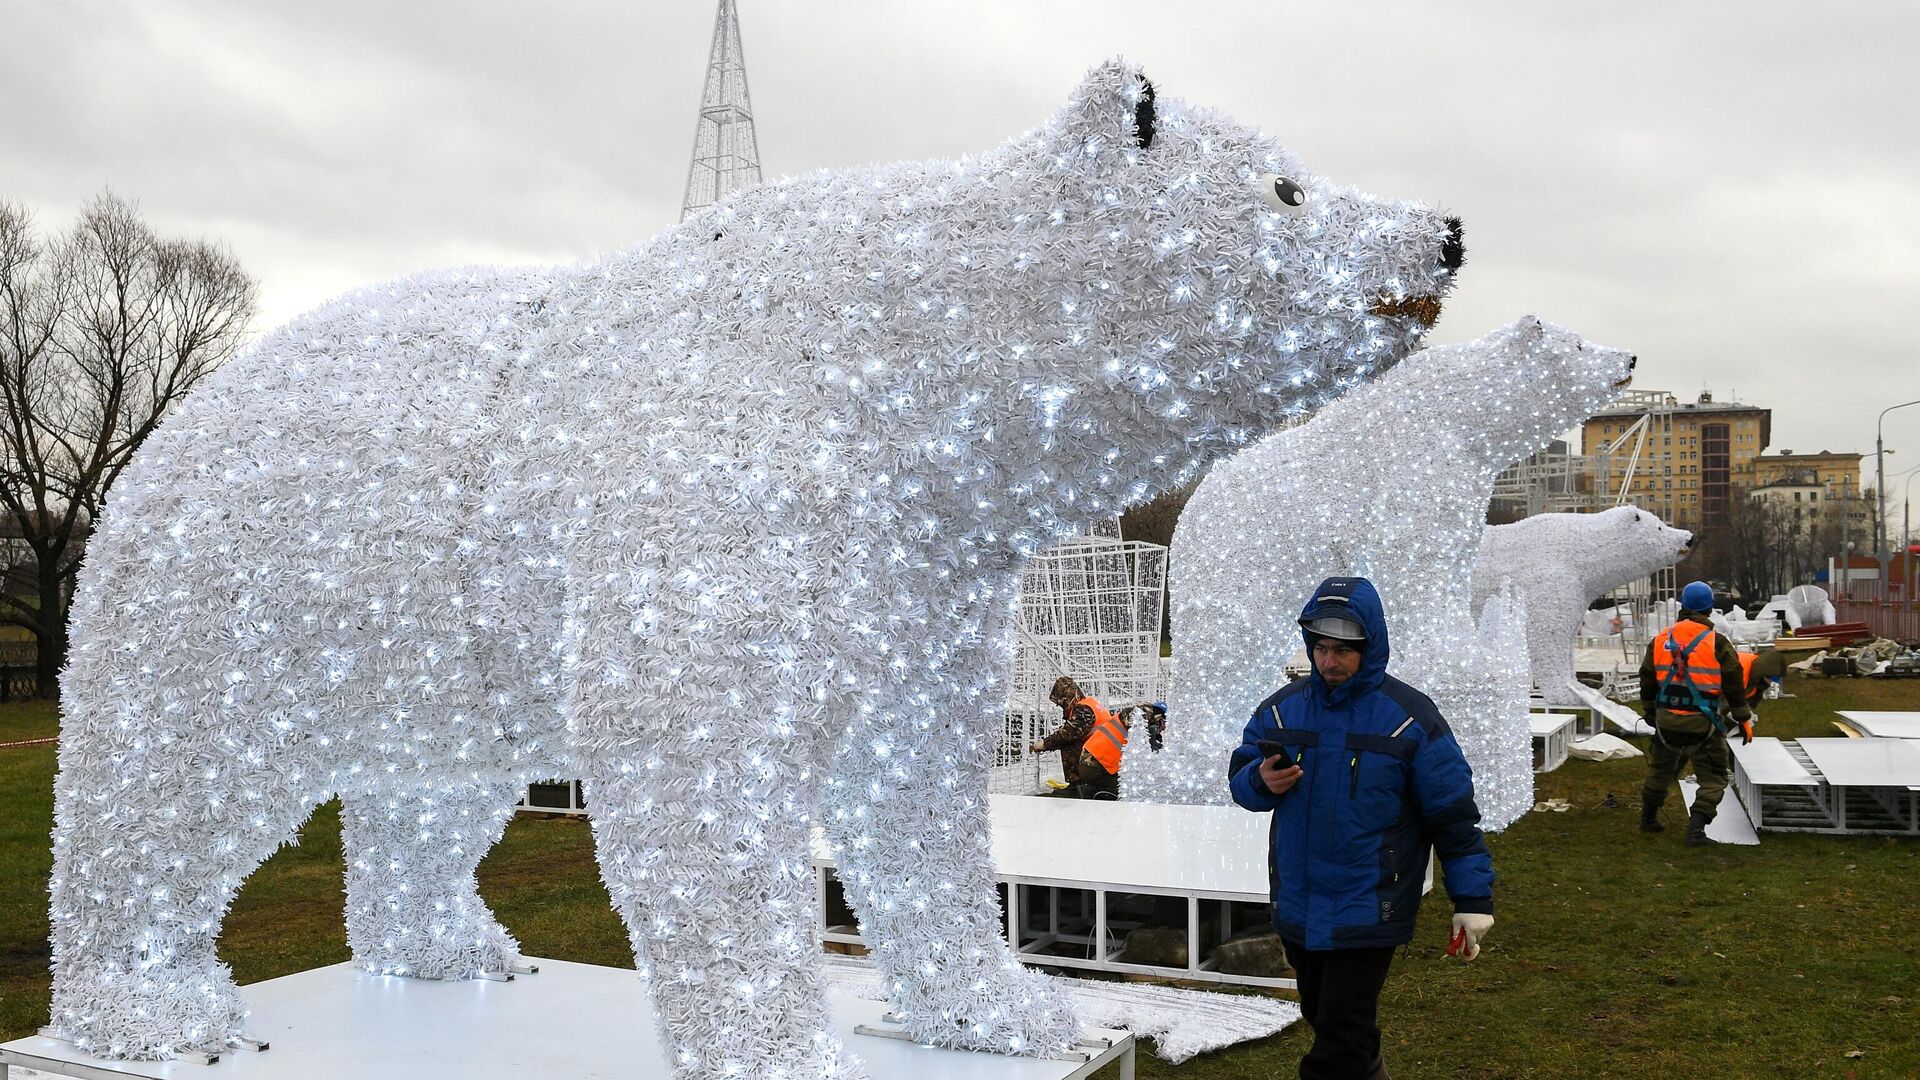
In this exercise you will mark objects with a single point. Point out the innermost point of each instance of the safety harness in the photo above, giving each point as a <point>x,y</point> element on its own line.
<point>1678,672</point>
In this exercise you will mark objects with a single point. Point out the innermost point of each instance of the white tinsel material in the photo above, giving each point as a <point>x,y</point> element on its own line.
<point>728,525</point>
<point>1391,483</point>
<point>1558,564</point>
<point>1180,1022</point>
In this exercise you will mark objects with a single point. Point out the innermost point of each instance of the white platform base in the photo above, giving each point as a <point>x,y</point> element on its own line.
<point>1208,861</point>
<point>571,1020</point>
<point>1868,785</point>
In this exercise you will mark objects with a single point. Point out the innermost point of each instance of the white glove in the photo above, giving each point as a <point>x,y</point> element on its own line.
<point>1468,928</point>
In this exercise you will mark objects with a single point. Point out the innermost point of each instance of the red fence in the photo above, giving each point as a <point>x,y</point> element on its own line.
<point>1896,618</point>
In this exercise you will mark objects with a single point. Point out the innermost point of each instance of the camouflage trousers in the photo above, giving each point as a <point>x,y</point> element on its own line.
<point>1667,757</point>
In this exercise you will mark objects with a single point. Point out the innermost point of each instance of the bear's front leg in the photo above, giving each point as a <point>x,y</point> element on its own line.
<point>907,811</point>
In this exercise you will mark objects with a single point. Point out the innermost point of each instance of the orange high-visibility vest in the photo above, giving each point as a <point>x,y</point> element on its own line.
<point>1689,674</point>
<point>1746,675</point>
<point>1108,737</point>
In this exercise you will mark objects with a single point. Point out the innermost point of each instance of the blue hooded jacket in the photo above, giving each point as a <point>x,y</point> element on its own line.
<point>1383,782</point>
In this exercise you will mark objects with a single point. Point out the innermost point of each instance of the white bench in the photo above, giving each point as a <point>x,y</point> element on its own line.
<point>1586,721</point>
<point>1070,905</point>
<point>1552,735</point>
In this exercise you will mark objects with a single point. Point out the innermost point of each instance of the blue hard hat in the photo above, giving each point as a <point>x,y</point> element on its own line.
<point>1697,596</point>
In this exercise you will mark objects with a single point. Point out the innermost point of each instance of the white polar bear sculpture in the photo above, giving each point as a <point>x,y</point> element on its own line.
<point>729,525</point>
<point>1559,563</point>
<point>1391,483</point>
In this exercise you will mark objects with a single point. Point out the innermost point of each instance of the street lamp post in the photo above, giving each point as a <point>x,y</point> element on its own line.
<point>1906,537</point>
<point>1880,481</point>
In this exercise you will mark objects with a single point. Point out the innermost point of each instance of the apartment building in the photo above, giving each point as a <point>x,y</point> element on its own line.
<point>1682,460</point>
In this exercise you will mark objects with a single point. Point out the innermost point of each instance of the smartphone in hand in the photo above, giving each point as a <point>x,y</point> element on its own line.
<point>1269,748</point>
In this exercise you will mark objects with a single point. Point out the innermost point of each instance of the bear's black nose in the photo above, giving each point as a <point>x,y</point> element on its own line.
<point>1453,253</point>
<point>1632,361</point>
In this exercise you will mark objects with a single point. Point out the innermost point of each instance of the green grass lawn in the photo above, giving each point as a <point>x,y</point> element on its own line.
<point>1615,954</point>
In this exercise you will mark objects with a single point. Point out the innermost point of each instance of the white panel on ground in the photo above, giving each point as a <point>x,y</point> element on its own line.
<point>1866,762</point>
<point>1730,824</point>
<point>1886,725</point>
<point>1181,1022</point>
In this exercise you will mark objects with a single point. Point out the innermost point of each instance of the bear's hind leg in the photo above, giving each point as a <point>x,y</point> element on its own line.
<point>705,853</point>
<point>138,897</point>
<point>907,811</point>
<point>413,907</point>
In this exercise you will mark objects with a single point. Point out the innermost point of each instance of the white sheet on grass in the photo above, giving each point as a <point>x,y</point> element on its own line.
<point>1181,1023</point>
<point>1603,747</point>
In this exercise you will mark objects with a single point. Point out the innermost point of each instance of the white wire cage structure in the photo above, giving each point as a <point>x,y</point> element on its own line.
<point>1613,638</point>
<point>1091,608</point>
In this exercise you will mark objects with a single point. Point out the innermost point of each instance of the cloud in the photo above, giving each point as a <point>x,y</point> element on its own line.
<point>1722,187</point>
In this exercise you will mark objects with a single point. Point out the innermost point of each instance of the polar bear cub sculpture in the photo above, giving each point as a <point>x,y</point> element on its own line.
<point>1391,483</point>
<point>728,525</point>
<point>1559,563</point>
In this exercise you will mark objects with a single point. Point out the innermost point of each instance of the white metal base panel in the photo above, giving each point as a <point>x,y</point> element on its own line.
<point>578,1021</point>
<point>1869,785</point>
<point>1069,857</point>
<point>1885,725</point>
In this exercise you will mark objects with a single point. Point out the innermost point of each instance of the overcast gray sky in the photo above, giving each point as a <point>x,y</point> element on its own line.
<point>1726,188</point>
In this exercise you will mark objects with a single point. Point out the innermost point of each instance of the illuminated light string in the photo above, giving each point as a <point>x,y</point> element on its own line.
<point>1558,564</point>
<point>1390,482</point>
<point>728,524</point>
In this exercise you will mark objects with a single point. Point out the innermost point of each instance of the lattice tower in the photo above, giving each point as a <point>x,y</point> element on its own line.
<point>726,153</point>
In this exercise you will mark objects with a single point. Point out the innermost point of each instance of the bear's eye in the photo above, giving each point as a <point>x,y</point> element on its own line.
<point>1282,194</point>
<point>1636,515</point>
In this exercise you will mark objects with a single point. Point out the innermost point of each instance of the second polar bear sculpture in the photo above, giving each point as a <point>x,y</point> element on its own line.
<point>1560,563</point>
<point>729,525</point>
<point>1390,483</point>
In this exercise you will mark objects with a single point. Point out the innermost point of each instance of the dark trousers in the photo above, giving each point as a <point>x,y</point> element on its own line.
<point>1667,758</point>
<point>1340,999</point>
<point>1095,781</point>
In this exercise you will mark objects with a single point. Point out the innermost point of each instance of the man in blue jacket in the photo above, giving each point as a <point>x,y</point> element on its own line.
<point>1363,777</point>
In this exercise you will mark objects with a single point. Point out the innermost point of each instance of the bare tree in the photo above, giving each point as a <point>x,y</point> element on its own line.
<point>101,331</point>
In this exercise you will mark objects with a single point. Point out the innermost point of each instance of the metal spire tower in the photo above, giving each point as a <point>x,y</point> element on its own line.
<point>726,153</point>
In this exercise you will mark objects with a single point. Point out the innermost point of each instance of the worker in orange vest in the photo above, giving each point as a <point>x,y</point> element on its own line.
<point>1689,676</point>
<point>1100,754</point>
<point>1078,714</point>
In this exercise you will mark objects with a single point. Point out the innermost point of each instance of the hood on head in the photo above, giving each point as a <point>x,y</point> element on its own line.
<point>1353,598</point>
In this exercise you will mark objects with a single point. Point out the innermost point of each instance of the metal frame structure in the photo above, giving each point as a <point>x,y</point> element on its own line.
<point>1562,481</point>
<point>1091,608</point>
<point>1043,913</point>
<point>726,152</point>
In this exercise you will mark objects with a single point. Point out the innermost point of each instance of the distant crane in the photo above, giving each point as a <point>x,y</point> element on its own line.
<point>726,153</point>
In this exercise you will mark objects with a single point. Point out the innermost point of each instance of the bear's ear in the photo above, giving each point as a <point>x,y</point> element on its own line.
<point>1111,113</point>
